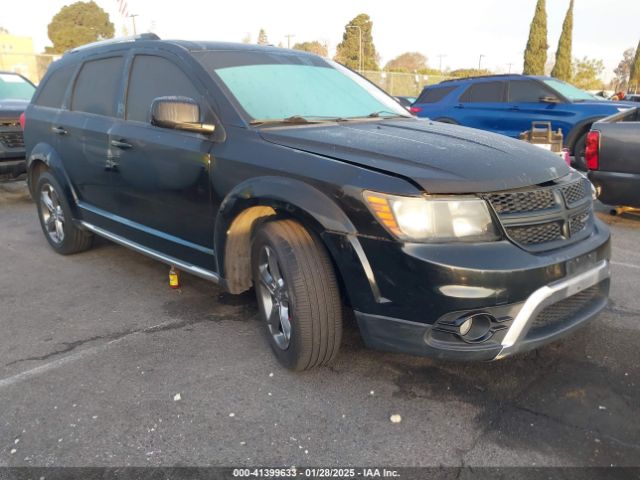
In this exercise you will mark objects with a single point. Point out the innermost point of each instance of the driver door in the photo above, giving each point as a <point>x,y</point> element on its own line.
<point>161,176</point>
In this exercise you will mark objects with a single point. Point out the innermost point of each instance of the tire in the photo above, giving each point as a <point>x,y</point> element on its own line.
<point>446,120</point>
<point>579,147</point>
<point>56,218</point>
<point>297,294</point>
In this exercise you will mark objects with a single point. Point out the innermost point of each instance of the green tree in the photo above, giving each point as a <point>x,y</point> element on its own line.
<point>634,71</point>
<point>348,51</point>
<point>407,62</point>
<point>535,55</point>
<point>562,67</point>
<point>77,24</point>
<point>586,73</point>
<point>262,37</point>
<point>316,47</point>
<point>623,69</point>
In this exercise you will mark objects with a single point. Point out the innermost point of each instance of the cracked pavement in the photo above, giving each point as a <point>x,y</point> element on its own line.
<point>96,346</point>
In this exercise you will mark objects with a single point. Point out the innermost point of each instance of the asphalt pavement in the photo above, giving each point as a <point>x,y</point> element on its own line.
<point>102,364</point>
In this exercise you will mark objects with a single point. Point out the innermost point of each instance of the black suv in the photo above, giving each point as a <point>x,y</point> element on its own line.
<point>275,169</point>
<point>15,93</point>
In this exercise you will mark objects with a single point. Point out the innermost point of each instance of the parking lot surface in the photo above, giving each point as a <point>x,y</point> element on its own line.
<point>102,364</point>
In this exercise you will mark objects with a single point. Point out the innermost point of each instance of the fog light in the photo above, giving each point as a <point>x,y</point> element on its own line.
<point>476,328</point>
<point>465,327</point>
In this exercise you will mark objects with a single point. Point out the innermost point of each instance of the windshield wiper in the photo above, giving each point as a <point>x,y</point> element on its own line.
<point>379,114</point>
<point>298,119</point>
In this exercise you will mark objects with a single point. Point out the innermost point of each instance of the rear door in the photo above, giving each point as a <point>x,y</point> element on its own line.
<point>83,133</point>
<point>525,107</point>
<point>161,176</point>
<point>483,105</point>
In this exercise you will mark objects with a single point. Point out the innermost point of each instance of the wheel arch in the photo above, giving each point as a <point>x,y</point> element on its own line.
<point>579,129</point>
<point>254,201</point>
<point>44,156</point>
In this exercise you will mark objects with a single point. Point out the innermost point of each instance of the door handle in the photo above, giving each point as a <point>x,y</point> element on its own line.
<point>121,144</point>
<point>514,109</point>
<point>59,130</point>
<point>460,105</point>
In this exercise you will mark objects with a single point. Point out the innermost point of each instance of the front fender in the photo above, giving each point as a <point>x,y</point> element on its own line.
<point>298,198</point>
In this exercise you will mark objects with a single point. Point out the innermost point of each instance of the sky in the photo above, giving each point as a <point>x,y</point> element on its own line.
<point>460,29</point>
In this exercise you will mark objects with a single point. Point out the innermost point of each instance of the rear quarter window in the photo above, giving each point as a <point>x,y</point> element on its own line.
<point>52,92</point>
<point>97,87</point>
<point>484,92</point>
<point>435,94</point>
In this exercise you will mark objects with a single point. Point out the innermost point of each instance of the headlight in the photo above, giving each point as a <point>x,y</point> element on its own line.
<point>436,219</point>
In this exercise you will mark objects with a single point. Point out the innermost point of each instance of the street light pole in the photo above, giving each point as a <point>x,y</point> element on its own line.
<point>360,48</point>
<point>480,62</point>
<point>133,19</point>
<point>289,35</point>
<point>441,56</point>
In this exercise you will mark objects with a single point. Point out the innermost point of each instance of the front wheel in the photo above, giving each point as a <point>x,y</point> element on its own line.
<point>297,294</point>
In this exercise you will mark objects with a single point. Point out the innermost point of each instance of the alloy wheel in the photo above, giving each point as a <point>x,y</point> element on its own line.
<point>274,297</point>
<point>52,213</point>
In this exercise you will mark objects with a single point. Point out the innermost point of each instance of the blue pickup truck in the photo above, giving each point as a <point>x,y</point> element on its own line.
<point>507,104</point>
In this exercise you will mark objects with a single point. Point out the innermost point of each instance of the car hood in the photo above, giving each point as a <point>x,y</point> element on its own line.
<point>607,104</point>
<point>440,158</point>
<point>10,108</point>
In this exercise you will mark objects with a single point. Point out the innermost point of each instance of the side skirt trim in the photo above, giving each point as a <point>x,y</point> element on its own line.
<point>185,266</point>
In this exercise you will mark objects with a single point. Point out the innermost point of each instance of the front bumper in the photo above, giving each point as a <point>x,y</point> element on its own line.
<point>521,333</point>
<point>404,294</point>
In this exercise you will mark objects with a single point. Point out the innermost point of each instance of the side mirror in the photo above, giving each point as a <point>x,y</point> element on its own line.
<point>178,113</point>
<point>549,99</point>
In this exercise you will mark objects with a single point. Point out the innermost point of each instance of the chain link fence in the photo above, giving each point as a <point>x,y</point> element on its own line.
<point>31,65</point>
<point>406,84</point>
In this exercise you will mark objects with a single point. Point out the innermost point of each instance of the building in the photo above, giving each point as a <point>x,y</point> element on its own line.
<point>18,55</point>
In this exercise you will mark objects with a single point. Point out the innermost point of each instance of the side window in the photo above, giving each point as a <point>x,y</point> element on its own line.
<point>96,89</point>
<point>526,91</point>
<point>52,92</point>
<point>485,92</point>
<point>153,77</point>
<point>433,95</point>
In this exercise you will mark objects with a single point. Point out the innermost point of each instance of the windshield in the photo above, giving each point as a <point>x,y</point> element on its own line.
<point>14,87</point>
<point>275,86</point>
<point>568,91</point>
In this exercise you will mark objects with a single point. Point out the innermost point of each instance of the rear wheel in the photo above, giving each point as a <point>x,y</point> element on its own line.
<point>579,148</point>
<point>297,294</point>
<point>56,219</point>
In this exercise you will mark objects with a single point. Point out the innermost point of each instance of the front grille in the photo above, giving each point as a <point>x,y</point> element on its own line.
<point>564,311</point>
<point>573,193</point>
<point>536,234</point>
<point>518,202</point>
<point>578,222</point>
<point>12,139</point>
<point>545,217</point>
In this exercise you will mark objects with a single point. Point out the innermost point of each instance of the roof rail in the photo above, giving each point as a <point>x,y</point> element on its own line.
<point>113,41</point>
<point>491,75</point>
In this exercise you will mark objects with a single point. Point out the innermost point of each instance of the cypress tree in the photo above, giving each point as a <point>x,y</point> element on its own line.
<point>562,67</point>
<point>535,56</point>
<point>634,73</point>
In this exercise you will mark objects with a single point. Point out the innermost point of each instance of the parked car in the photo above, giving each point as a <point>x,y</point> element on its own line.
<point>254,166</point>
<point>15,93</point>
<point>613,158</point>
<point>406,102</point>
<point>507,104</point>
<point>632,97</point>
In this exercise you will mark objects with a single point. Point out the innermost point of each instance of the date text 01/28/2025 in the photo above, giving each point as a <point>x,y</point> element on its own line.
<point>315,472</point>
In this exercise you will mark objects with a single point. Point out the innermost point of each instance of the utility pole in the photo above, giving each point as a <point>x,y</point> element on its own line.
<point>480,61</point>
<point>289,35</point>
<point>133,19</point>
<point>441,56</point>
<point>360,49</point>
<point>509,66</point>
